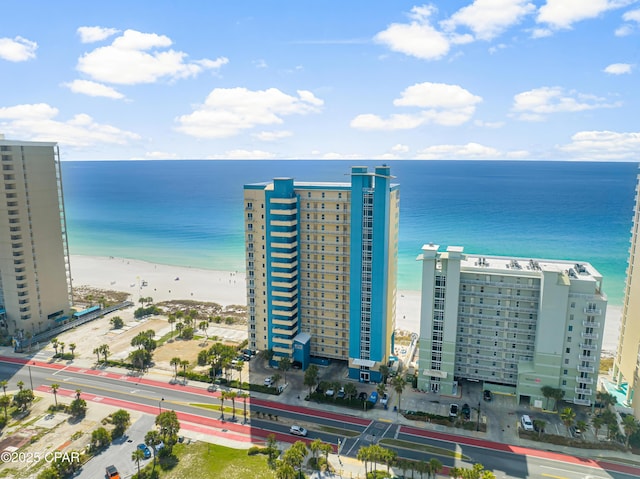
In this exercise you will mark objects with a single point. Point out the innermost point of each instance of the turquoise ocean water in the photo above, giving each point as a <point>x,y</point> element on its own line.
<point>189,213</point>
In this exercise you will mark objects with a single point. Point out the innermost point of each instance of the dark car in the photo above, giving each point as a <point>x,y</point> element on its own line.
<point>486,395</point>
<point>363,396</point>
<point>466,411</point>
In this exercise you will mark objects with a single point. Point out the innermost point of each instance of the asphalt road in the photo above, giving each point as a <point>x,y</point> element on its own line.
<point>505,464</point>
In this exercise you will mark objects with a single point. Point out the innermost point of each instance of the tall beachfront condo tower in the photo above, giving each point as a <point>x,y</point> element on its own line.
<point>321,263</point>
<point>514,324</point>
<point>626,366</point>
<point>35,279</point>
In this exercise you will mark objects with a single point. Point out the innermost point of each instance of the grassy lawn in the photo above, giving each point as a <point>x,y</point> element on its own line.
<point>201,460</point>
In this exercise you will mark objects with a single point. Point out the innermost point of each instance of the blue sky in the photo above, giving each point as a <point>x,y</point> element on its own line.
<point>357,79</point>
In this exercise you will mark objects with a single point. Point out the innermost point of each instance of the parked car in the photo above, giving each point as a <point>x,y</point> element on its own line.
<point>575,431</point>
<point>373,397</point>
<point>341,394</point>
<point>453,411</point>
<point>363,396</point>
<point>112,472</point>
<point>267,381</point>
<point>298,431</point>
<point>527,423</point>
<point>159,446</point>
<point>384,399</point>
<point>329,393</point>
<point>145,450</point>
<point>466,411</point>
<point>486,395</point>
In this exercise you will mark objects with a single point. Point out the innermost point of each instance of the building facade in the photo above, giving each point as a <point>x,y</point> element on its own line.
<point>627,361</point>
<point>514,324</point>
<point>321,259</point>
<point>35,277</point>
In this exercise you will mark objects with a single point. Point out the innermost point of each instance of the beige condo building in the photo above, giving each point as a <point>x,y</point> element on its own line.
<point>35,279</point>
<point>627,361</point>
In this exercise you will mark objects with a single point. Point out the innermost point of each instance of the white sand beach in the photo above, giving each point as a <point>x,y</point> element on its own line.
<point>165,282</point>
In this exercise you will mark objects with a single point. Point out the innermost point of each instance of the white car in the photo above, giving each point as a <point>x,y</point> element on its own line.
<point>527,423</point>
<point>298,431</point>
<point>385,399</point>
<point>267,381</point>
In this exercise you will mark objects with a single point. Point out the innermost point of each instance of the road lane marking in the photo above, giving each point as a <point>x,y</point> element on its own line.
<point>554,477</point>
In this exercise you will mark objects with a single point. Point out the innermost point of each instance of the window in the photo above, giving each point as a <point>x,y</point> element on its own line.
<point>565,372</point>
<point>570,327</point>
<point>568,350</point>
<point>564,382</point>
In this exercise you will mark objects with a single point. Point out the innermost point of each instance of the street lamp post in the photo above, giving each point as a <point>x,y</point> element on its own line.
<point>160,406</point>
<point>478,421</point>
<point>30,378</point>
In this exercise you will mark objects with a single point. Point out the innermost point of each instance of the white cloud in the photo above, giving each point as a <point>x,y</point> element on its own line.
<point>161,155</point>
<point>260,63</point>
<point>618,68</point>
<point>136,57</point>
<point>629,28</point>
<point>417,38</point>
<point>241,154</point>
<point>228,111</point>
<point>272,135</point>
<point>534,105</point>
<point>37,122</point>
<point>632,16</point>
<point>560,14</point>
<point>541,33</point>
<point>489,124</point>
<point>17,49</point>
<point>95,34</point>
<point>342,156</point>
<point>604,145</point>
<point>90,88</point>
<point>470,151</point>
<point>489,18</point>
<point>440,103</point>
<point>400,148</point>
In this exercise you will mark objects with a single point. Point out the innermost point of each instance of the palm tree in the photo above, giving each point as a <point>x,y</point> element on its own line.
<point>104,350</point>
<point>399,384</point>
<point>152,439</point>
<point>184,364</point>
<point>62,345</point>
<point>5,402</point>
<point>223,396</point>
<point>435,466</point>
<point>203,326</point>
<point>630,426</point>
<point>175,362</point>
<point>97,351</point>
<point>539,425</point>
<point>137,455</point>
<point>244,397</point>
<point>4,383</point>
<point>20,385</point>
<point>567,416</point>
<point>284,365</point>
<point>238,367</point>
<point>582,425</point>
<point>233,395</point>
<point>171,320</point>
<point>54,343</point>
<point>54,390</point>
<point>597,422</point>
<point>72,347</point>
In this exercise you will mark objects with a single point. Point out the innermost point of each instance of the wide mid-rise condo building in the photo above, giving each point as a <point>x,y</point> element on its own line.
<point>514,324</point>
<point>321,262</point>
<point>35,279</point>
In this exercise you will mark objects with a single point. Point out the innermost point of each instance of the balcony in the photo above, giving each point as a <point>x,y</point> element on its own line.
<point>586,392</point>
<point>588,347</point>
<point>589,335</point>
<point>594,311</point>
<point>584,380</point>
<point>582,402</point>
<point>586,369</point>
<point>591,324</point>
